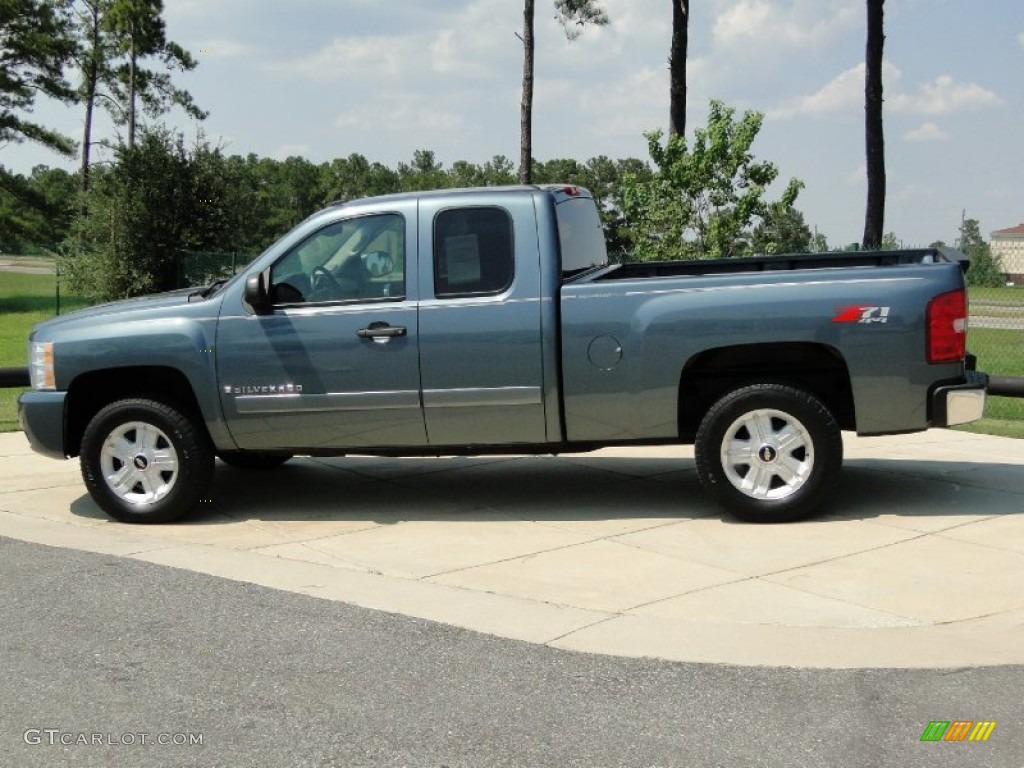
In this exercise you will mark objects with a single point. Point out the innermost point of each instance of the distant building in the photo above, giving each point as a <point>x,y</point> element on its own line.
<point>1008,246</point>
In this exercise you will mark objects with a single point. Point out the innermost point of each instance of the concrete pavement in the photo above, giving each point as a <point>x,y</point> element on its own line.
<point>919,561</point>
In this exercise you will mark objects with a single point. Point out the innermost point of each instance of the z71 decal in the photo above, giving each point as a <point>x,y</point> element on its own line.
<point>862,314</point>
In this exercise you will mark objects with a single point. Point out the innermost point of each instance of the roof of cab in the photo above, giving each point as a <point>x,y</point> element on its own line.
<point>559,192</point>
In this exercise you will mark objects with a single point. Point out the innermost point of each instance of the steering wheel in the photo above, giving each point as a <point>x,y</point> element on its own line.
<point>323,282</point>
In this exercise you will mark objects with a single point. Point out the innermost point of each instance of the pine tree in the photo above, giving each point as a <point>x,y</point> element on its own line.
<point>35,44</point>
<point>573,15</point>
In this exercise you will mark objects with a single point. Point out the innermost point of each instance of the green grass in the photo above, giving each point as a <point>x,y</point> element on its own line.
<point>24,301</point>
<point>1000,351</point>
<point>1015,295</point>
<point>990,426</point>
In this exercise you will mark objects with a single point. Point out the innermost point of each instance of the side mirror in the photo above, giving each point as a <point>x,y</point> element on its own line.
<point>256,295</point>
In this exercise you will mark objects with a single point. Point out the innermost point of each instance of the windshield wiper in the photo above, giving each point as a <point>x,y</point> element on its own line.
<point>209,290</point>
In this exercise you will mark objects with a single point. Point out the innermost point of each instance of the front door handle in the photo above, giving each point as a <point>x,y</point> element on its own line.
<point>381,330</point>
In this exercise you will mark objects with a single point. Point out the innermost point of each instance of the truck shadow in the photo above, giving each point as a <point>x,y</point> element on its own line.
<point>387,491</point>
<point>875,487</point>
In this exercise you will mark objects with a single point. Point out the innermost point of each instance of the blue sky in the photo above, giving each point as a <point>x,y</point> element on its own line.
<point>326,78</point>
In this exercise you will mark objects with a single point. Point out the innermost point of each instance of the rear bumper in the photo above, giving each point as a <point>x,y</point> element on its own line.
<point>954,404</point>
<point>42,417</point>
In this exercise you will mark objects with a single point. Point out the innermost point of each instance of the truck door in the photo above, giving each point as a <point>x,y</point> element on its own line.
<point>480,322</point>
<point>335,363</point>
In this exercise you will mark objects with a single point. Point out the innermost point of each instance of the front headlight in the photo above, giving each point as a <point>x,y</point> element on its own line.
<point>40,365</point>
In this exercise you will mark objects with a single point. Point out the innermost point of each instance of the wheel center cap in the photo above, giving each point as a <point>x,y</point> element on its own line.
<point>140,462</point>
<point>767,454</point>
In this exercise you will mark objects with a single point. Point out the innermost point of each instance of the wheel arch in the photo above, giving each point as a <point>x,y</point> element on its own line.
<point>90,392</point>
<point>819,369</point>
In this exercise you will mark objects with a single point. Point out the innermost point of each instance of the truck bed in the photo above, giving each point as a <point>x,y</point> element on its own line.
<point>654,269</point>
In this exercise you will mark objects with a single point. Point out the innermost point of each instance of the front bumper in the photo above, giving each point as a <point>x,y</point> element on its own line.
<point>954,404</point>
<point>42,417</point>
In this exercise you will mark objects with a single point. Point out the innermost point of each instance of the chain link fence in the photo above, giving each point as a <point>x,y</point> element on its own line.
<point>996,336</point>
<point>203,267</point>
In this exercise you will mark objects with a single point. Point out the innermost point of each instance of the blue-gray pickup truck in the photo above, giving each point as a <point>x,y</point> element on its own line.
<point>489,321</point>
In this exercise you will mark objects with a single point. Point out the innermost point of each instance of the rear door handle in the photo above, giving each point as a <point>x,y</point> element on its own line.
<point>381,330</point>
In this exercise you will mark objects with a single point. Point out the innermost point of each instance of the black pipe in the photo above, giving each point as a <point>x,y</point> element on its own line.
<point>14,377</point>
<point>1006,386</point>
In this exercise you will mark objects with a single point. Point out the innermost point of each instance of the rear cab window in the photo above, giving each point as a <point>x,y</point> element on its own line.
<point>580,235</point>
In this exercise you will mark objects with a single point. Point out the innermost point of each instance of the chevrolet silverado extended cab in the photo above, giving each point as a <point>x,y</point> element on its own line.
<point>489,321</point>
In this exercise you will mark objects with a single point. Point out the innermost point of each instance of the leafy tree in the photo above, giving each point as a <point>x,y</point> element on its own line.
<point>986,268</point>
<point>158,200</point>
<point>782,230</point>
<point>677,67</point>
<point>573,15</point>
<point>497,171</point>
<point>20,215</point>
<point>57,189</point>
<point>890,242</point>
<point>425,172</point>
<point>355,176</point>
<point>301,180</point>
<point>35,44</point>
<point>874,217</point>
<point>702,200</point>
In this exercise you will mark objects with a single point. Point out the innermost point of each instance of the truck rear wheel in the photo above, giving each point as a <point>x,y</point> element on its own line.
<point>769,452</point>
<point>145,462</point>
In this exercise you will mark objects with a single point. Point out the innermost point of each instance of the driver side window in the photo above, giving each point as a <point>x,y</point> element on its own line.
<point>361,259</point>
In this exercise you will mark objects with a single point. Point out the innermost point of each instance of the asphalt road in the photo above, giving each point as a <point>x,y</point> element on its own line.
<point>91,644</point>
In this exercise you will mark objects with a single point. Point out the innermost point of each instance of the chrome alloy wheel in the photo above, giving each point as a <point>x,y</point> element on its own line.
<point>767,454</point>
<point>139,463</point>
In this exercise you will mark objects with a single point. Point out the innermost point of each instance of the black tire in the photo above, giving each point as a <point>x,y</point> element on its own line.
<point>253,459</point>
<point>786,452</point>
<point>164,460</point>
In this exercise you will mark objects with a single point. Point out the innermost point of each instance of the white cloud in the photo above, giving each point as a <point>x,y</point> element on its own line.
<point>383,116</point>
<point>846,91</point>
<point>183,9</point>
<point>927,132</point>
<point>473,40</point>
<point>639,98</point>
<point>342,58</point>
<point>944,96</point>
<point>767,24</point>
<point>858,175</point>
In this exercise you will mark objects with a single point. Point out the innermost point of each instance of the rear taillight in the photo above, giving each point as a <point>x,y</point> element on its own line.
<point>947,327</point>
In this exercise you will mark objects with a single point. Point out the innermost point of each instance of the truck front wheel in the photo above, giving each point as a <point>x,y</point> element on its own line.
<point>145,462</point>
<point>769,452</point>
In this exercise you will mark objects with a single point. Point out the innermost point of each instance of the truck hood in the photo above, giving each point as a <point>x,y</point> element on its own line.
<point>154,307</point>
